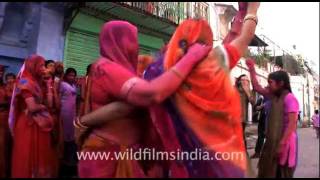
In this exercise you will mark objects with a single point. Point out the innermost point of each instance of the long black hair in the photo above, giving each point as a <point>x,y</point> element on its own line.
<point>283,76</point>
<point>238,80</point>
<point>88,69</point>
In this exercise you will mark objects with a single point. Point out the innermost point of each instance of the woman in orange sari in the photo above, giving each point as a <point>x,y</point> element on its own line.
<point>206,108</point>
<point>34,154</point>
<point>114,78</point>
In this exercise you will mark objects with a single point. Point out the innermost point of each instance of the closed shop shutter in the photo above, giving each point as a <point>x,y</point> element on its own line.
<point>81,49</point>
<point>82,44</point>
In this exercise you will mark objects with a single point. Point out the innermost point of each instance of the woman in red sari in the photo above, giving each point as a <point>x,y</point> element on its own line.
<point>113,78</point>
<point>4,128</point>
<point>34,154</point>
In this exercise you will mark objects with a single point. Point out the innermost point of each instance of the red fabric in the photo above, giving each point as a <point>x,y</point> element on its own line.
<point>33,154</point>
<point>4,134</point>
<point>26,94</point>
<point>233,54</point>
<point>4,138</point>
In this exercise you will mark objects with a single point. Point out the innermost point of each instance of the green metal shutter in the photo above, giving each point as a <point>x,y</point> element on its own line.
<point>149,44</point>
<point>82,45</point>
<point>81,49</point>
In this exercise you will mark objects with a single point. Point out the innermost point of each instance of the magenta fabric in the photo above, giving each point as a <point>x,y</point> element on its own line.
<point>68,95</point>
<point>119,43</point>
<point>315,120</point>
<point>289,151</point>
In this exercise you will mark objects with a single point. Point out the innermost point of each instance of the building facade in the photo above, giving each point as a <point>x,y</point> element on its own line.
<point>156,22</point>
<point>31,28</point>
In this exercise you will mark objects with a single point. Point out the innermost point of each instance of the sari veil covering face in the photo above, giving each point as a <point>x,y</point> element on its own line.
<point>207,102</point>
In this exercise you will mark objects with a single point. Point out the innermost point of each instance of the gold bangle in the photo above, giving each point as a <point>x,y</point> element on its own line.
<point>82,125</point>
<point>77,123</point>
<point>251,17</point>
<point>176,72</point>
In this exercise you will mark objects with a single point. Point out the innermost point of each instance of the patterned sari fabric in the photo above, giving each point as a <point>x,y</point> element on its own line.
<point>206,108</point>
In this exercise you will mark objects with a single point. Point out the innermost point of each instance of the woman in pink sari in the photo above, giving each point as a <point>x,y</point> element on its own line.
<point>113,78</point>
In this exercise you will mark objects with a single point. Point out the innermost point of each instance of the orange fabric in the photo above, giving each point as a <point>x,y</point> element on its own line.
<point>190,31</point>
<point>143,62</point>
<point>234,55</point>
<point>207,100</point>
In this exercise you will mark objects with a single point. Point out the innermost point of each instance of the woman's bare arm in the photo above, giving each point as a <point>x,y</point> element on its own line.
<point>247,32</point>
<point>113,111</point>
<point>144,93</point>
<point>255,84</point>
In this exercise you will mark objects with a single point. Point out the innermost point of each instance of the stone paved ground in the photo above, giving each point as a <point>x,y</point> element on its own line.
<point>308,151</point>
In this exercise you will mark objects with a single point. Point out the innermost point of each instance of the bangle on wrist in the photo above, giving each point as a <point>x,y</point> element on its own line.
<point>79,123</point>
<point>251,17</point>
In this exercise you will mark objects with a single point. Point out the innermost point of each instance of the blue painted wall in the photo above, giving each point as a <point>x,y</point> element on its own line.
<point>51,38</point>
<point>13,63</point>
<point>29,28</point>
<point>19,27</point>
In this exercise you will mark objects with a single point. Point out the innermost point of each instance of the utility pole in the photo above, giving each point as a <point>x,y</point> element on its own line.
<point>308,105</point>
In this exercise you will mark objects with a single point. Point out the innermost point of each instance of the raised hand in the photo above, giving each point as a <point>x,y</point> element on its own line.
<point>253,7</point>
<point>197,52</point>
<point>243,6</point>
<point>250,63</point>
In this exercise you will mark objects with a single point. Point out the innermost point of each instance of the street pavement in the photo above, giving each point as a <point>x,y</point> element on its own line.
<point>308,152</point>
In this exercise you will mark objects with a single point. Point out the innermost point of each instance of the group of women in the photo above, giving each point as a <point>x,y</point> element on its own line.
<point>182,101</point>
<point>34,129</point>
